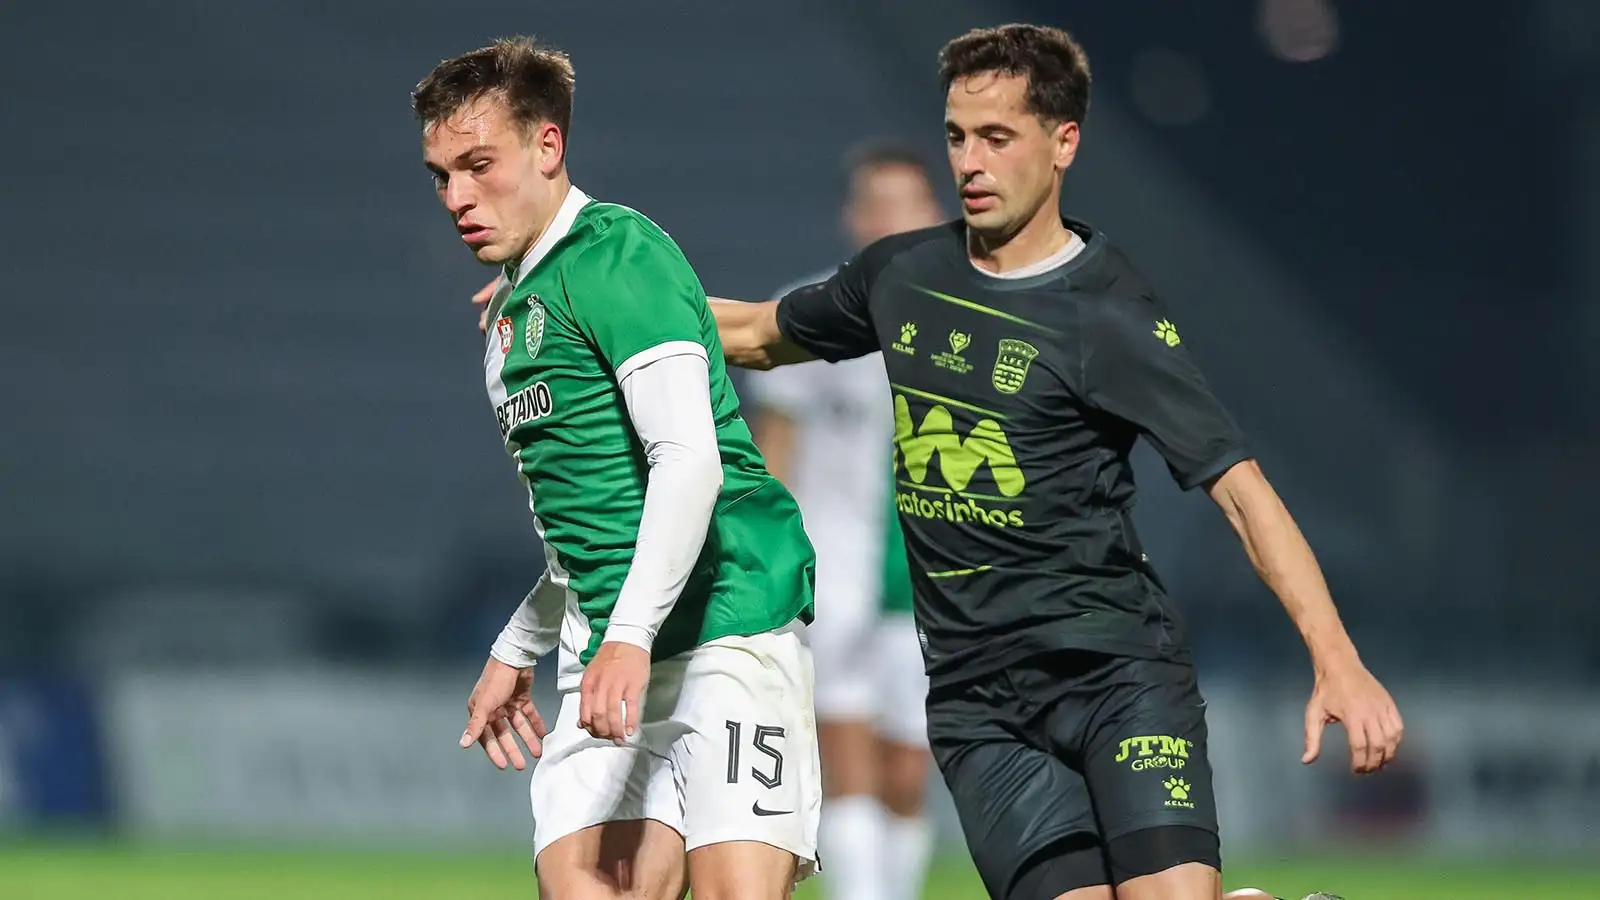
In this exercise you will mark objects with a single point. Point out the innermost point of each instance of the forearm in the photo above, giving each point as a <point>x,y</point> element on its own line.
<point>669,403</point>
<point>750,335</point>
<point>535,628</point>
<point>678,502</point>
<point>1284,561</point>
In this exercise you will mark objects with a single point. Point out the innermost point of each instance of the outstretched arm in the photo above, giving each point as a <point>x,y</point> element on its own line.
<point>1140,370</point>
<point>750,335</point>
<point>1345,691</point>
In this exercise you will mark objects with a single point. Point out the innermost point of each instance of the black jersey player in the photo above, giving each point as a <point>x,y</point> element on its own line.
<point>1026,354</point>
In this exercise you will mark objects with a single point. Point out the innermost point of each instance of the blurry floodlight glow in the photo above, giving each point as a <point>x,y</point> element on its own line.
<point>1169,88</point>
<point>1298,30</point>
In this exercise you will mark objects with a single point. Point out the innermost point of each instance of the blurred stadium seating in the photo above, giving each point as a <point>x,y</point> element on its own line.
<point>258,530</point>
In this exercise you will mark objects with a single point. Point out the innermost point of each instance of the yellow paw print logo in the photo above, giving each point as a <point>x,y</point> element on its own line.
<point>1177,787</point>
<point>908,331</point>
<point>1168,332</point>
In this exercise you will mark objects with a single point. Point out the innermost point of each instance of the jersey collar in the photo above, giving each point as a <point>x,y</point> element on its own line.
<point>559,226</point>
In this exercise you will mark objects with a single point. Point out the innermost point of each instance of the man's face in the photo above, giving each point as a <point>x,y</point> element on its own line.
<point>493,177</point>
<point>889,199</point>
<point>1006,160</point>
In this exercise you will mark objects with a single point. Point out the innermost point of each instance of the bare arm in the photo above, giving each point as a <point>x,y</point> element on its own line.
<point>750,335</point>
<point>1284,560</point>
<point>1345,691</point>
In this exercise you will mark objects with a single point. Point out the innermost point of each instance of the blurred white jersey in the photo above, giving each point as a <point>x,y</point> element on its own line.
<point>840,469</point>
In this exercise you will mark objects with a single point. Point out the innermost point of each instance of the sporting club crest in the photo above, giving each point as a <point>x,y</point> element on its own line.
<point>533,331</point>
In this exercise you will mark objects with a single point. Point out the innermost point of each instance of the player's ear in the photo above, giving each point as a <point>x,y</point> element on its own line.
<point>1065,140</point>
<point>552,145</point>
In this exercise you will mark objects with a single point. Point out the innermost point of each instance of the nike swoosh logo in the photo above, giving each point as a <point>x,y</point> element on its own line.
<point>756,808</point>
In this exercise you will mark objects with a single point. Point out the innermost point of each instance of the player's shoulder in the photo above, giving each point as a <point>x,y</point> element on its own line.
<point>1111,285</point>
<point>604,230</point>
<point>796,284</point>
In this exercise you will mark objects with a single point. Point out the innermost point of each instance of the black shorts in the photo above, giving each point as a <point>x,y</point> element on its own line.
<point>1073,762</point>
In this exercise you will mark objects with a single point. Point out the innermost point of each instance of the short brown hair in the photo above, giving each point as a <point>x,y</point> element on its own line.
<point>1055,66</point>
<point>534,80</point>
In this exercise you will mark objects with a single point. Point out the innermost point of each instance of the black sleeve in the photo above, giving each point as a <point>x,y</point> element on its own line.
<point>830,319</point>
<point>1136,368</point>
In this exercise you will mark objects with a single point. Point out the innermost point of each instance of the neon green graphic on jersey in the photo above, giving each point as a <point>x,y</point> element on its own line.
<point>959,459</point>
<point>1168,333</point>
<point>1011,364</point>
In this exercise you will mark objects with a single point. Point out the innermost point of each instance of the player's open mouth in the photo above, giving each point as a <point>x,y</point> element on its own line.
<point>474,234</point>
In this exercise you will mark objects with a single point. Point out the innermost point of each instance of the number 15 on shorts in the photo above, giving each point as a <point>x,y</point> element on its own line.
<point>766,767</point>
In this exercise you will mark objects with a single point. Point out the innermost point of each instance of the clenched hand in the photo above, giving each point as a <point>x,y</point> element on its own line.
<point>613,684</point>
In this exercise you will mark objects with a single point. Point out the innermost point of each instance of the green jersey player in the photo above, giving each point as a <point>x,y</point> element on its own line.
<point>673,559</point>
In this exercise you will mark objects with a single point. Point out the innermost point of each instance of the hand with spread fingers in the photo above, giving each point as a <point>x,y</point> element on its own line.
<point>499,711</point>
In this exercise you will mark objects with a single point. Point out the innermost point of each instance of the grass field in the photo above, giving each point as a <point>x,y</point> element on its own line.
<point>88,872</point>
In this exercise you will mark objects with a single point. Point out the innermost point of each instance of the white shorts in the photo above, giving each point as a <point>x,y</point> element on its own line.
<point>727,752</point>
<point>843,640</point>
<point>901,682</point>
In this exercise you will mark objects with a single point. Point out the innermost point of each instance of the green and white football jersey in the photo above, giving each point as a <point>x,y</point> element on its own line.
<point>603,292</point>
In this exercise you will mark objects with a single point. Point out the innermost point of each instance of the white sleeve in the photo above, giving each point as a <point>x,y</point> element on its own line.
<point>669,400</point>
<point>535,628</point>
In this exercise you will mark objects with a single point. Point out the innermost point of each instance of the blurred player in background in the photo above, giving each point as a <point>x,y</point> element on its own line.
<point>827,431</point>
<point>674,560</point>
<point>1026,355</point>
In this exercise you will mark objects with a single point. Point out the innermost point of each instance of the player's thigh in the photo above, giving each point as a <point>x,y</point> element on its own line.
<point>580,782</point>
<point>1148,770</point>
<point>639,859</point>
<point>1020,808</point>
<point>841,642</point>
<point>747,757</point>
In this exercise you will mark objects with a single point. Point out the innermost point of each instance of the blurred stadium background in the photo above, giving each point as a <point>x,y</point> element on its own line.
<point>257,531</point>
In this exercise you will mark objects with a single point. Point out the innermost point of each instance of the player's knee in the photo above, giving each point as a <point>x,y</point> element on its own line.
<point>904,780</point>
<point>742,870</point>
<point>614,881</point>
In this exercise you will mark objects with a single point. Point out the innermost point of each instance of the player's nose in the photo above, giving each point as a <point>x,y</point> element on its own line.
<point>458,196</point>
<point>969,159</point>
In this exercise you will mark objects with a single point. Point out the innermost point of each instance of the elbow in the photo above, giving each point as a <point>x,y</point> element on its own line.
<point>1237,493</point>
<point>695,471</point>
<point>708,471</point>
